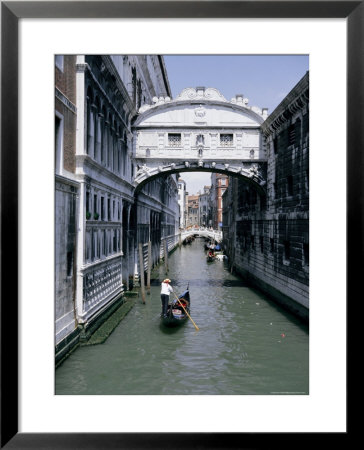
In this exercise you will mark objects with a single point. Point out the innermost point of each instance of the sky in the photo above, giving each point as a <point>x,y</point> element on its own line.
<point>264,79</point>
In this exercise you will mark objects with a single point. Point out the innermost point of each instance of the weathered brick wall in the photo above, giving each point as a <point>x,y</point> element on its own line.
<point>66,80</point>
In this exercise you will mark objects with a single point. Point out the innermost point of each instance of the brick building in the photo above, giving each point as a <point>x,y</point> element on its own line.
<point>219,184</point>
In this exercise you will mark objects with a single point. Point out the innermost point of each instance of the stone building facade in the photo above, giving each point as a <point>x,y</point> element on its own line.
<point>97,99</point>
<point>193,211</point>
<point>66,201</point>
<point>267,237</point>
<point>204,206</point>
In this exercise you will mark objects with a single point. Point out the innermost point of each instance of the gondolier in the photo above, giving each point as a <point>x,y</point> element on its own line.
<point>166,289</point>
<point>179,310</point>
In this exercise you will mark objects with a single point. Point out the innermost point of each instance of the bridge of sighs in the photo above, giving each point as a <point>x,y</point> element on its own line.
<point>200,130</point>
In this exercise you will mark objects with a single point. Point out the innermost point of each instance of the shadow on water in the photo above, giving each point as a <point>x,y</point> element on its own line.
<point>171,330</point>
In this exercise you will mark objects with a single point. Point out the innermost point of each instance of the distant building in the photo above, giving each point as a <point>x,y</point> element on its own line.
<point>219,184</point>
<point>204,206</point>
<point>193,218</point>
<point>182,202</point>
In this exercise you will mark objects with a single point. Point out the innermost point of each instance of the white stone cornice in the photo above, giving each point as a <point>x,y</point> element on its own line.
<point>201,97</point>
<point>201,94</point>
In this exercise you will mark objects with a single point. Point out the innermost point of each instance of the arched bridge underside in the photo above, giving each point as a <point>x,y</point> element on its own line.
<point>200,131</point>
<point>252,175</point>
<point>214,235</point>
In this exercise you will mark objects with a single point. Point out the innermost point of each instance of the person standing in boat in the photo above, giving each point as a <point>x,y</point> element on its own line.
<point>165,291</point>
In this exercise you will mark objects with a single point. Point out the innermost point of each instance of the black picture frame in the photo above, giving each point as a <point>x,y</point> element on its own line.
<point>11,13</point>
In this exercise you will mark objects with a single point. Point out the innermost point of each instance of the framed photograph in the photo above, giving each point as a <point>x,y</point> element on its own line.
<point>32,416</point>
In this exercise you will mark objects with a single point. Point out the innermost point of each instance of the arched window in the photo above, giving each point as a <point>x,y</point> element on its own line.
<point>89,123</point>
<point>124,152</point>
<point>119,149</point>
<point>297,132</point>
<point>103,136</point>
<point>134,85</point>
<point>97,144</point>
<point>107,139</point>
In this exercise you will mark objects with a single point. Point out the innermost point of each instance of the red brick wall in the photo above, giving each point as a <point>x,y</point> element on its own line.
<point>66,80</point>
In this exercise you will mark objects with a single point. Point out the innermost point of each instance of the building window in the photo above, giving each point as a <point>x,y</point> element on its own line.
<point>59,61</point>
<point>290,185</point>
<point>174,140</point>
<point>274,190</point>
<point>271,241</point>
<point>306,255</point>
<point>69,263</point>
<point>58,143</point>
<point>96,214</point>
<point>139,94</point>
<point>102,208</point>
<point>226,140</point>
<point>134,85</point>
<point>261,244</point>
<point>275,145</point>
<point>287,251</point>
<point>291,134</point>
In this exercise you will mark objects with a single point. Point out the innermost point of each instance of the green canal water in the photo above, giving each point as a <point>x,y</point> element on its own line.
<point>245,345</point>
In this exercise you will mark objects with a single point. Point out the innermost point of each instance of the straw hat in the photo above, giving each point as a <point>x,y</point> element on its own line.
<point>167,280</point>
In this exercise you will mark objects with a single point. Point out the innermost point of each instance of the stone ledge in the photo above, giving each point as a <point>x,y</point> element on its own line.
<point>67,346</point>
<point>104,331</point>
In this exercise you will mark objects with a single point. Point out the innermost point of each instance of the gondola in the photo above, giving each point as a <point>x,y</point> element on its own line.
<point>210,257</point>
<point>176,315</point>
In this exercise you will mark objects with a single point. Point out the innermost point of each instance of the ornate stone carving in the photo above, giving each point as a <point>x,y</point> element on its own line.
<point>255,171</point>
<point>200,112</point>
<point>201,93</point>
<point>142,170</point>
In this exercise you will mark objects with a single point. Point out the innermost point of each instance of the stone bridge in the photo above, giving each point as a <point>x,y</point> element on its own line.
<point>204,232</point>
<point>200,131</point>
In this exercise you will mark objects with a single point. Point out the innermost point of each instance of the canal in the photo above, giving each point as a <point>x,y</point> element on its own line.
<point>245,345</point>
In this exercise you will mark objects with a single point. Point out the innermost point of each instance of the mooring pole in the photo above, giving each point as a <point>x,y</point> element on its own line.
<point>149,266</point>
<point>166,254</point>
<point>141,268</point>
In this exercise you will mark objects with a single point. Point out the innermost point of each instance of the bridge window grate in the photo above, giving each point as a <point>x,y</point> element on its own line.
<point>226,140</point>
<point>174,140</point>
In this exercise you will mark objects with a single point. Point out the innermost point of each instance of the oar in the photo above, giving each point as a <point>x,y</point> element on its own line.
<point>197,328</point>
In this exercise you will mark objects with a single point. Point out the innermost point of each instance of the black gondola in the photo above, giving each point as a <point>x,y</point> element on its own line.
<point>176,314</point>
<point>210,257</point>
